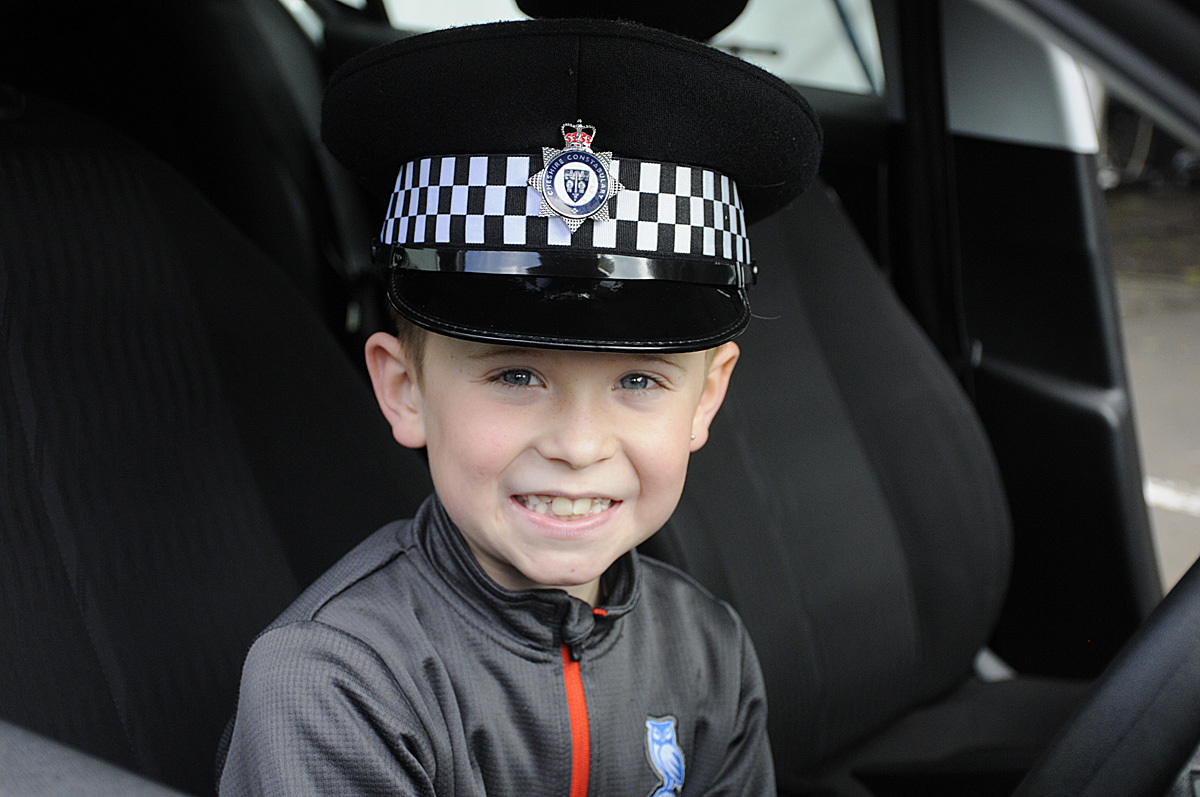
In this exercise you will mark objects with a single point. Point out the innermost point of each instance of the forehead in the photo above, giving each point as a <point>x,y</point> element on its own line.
<point>466,353</point>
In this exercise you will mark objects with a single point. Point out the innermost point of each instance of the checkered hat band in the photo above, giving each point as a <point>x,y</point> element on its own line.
<point>485,201</point>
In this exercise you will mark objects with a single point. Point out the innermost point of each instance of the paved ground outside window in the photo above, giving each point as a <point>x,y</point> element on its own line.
<point>1156,243</point>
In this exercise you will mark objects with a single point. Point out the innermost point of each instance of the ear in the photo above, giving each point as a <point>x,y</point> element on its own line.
<point>716,382</point>
<point>396,389</point>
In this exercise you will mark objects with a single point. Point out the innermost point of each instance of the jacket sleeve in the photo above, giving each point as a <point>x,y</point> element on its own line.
<point>748,770</point>
<point>319,713</point>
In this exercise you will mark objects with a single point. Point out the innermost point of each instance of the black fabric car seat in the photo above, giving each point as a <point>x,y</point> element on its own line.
<point>184,447</point>
<point>254,82</point>
<point>229,92</point>
<point>849,506</point>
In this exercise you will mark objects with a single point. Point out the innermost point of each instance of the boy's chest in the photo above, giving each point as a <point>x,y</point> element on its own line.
<point>547,730</point>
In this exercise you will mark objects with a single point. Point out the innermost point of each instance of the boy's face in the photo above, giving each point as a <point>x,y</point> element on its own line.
<point>552,463</point>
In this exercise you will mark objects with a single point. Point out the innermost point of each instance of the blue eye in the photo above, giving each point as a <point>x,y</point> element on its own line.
<point>636,382</point>
<point>518,378</point>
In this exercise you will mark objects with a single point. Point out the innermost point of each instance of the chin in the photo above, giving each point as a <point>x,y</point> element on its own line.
<point>565,575</point>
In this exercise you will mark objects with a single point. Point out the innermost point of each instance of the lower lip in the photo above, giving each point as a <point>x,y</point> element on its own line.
<point>551,526</point>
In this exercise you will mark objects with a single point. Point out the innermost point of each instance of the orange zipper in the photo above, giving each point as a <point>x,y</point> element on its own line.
<point>581,750</point>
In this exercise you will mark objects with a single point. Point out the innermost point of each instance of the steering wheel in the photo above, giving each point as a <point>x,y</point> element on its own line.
<point>1140,723</point>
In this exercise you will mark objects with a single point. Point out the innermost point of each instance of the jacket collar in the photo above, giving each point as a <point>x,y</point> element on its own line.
<point>548,618</point>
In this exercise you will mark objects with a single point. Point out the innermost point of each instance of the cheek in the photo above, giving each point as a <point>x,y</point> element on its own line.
<point>661,463</point>
<point>470,443</point>
<point>465,466</point>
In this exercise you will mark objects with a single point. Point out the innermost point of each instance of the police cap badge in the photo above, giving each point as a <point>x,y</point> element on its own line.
<point>576,184</point>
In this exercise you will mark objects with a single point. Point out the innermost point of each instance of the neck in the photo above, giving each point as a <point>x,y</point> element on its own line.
<point>589,593</point>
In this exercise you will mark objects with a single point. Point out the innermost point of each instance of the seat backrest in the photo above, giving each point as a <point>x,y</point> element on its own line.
<point>847,503</point>
<point>254,82</point>
<point>184,448</point>
<point>226,91</point>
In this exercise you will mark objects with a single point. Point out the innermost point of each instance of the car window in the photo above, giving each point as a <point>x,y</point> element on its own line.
<point>1152,187</point>
<point>826,43</point>
<point>421,15</point>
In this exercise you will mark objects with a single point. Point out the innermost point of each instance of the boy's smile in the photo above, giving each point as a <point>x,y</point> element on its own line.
<point>564,508</point>
<point>551,463</point>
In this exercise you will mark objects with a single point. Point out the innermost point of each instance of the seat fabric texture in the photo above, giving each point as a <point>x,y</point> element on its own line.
<point>254,84</point>
<point>848,505</point>
<point>184,445</point>
<point>229,93</point>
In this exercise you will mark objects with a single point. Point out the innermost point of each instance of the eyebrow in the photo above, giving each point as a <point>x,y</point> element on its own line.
<point>660,358</point>
<point>488,352</point>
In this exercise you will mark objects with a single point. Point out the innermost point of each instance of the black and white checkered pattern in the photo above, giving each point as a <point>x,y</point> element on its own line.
<point>485,201</point>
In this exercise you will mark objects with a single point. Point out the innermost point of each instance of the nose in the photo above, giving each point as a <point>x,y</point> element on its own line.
<point>578,434</point>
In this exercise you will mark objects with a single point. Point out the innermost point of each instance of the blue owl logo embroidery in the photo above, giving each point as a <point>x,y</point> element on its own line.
<point>665,756</point>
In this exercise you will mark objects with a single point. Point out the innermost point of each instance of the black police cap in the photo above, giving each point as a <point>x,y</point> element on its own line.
<point>577,184</point>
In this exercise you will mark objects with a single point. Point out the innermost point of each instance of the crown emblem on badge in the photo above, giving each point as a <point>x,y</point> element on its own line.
<point>575,182</point>
<point>578,139</point>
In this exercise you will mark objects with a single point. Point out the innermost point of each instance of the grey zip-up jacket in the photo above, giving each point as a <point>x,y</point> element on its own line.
<point>405,670</point>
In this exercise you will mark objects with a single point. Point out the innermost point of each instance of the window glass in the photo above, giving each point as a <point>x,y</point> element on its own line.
<point>422,15</point>
<point>827,43</point>
<point>1153,193</point>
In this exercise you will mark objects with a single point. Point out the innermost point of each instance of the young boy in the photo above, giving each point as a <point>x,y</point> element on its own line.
<point>564,345</point>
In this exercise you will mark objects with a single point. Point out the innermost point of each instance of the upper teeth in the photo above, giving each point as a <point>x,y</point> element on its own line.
<point>563,507</point>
